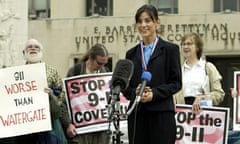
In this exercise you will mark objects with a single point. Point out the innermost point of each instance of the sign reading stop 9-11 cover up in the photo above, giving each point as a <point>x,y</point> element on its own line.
<point>24,106</point>
<point>236,102</point>
<point>208,127</point>
<point>87,99</point>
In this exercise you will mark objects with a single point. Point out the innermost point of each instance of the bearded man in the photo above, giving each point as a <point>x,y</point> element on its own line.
<point>33,53</point>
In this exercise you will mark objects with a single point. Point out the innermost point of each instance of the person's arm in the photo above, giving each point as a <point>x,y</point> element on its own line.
<point>53,103</point>
<point>179,97</point>
<point>174,80</point>
<point>216,92</point>
<point>68,127</point>
<point>56,94</point>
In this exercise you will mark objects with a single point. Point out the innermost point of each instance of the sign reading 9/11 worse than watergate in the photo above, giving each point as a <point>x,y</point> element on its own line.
<point>87,97</point>
<point>24,106</point>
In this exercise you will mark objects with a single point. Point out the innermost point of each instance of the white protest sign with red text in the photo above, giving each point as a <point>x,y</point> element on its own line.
<point>87,101</point>
<point>24,104</point>
<point>208,127</point>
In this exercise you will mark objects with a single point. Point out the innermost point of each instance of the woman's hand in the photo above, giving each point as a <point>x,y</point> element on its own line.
<point>147,95</point>
<point>71,131</point>
<point>233,92</point>
<point>196,108</point>
<point>47,90</point>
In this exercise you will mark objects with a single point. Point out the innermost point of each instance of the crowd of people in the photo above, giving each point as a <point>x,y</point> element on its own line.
<point>153,121</point>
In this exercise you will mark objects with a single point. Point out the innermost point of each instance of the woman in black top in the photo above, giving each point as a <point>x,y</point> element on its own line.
<point>155,121</point>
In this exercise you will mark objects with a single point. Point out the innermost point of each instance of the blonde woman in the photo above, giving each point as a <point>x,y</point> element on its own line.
<point>201,79</point>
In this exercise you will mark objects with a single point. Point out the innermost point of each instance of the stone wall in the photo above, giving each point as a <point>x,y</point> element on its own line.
<point>13,31</point>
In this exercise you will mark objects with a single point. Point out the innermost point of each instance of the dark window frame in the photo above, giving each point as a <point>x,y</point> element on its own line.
<point>172,7</point>
<point>226,5</point>
<point>34,13</point>
<point>99,7</point>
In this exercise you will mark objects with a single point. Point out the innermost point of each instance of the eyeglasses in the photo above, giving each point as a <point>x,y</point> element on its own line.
<point>100,63</point>
<point>33,46</point>
<point>187,44</point>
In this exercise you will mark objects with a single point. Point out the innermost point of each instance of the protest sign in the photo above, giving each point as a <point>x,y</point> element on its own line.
<point>236,102</point>
<point>87,99</point>
<point>208,127</point>
<point>24,104</point>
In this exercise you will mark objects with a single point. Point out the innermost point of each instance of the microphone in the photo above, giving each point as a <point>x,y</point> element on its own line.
<point>120,80</point>
<point>146,77</point>
<point>121,76</point>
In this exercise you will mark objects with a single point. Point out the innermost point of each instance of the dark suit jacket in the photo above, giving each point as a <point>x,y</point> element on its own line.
<point>165,67</point>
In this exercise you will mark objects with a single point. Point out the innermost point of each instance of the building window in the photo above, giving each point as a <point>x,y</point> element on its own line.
<point>226,5</point>
<point>165,6</point>
<point>99,7</point>
<point>38,9</point>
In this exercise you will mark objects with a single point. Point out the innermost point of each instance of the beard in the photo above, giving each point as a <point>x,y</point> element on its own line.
<point>33,58</point>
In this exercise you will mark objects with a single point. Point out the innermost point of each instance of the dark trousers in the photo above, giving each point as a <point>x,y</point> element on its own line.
<point>11,140</point>
<point>233,137</point>
<point>152,128</point>
<point>27,139</point>
<point>189,100</point>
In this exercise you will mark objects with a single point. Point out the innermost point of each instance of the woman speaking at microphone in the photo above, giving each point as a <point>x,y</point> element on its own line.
<point>153,121</point>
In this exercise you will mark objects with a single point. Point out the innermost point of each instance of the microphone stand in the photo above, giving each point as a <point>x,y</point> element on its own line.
<point>114,116</point>
<point>135,104</point>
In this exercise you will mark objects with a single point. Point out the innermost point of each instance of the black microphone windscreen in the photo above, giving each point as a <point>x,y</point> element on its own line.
<point>122,73</point>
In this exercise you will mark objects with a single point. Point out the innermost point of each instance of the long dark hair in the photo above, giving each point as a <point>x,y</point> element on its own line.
<point>149,9</point>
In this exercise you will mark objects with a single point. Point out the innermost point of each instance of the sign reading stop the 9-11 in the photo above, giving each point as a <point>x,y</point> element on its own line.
<point>87,97</point>
<point>208,127</point>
